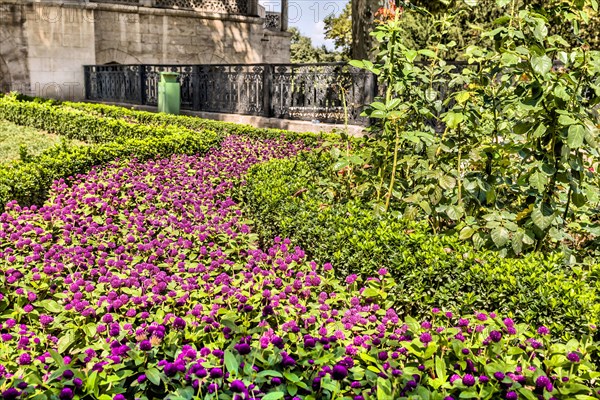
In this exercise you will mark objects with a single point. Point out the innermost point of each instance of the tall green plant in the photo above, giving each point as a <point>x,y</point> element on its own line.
<point>508,159</point>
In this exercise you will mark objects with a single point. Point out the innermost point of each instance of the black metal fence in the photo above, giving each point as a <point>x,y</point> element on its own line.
<point>323,92</point>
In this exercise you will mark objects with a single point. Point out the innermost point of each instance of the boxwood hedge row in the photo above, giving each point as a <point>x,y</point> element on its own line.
<point>194,123</point>
<point>430,270</point>
<point>76,124</point>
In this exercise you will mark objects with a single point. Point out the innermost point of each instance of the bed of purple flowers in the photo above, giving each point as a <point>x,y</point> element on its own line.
<point>144,280</point>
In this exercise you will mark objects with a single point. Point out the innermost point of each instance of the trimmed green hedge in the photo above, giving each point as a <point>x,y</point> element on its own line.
<point>195,123</point>
<point>29,182</point>
<point>77,124</point>
<point>430,270</point>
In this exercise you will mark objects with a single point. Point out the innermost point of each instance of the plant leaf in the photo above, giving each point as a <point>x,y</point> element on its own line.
<point>541,64</point>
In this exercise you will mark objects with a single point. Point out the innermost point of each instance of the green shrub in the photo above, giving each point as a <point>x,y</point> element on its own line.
<point>76,124</point>
<point>431,270</point>
<point>195,123</point>
<point>29,183</point>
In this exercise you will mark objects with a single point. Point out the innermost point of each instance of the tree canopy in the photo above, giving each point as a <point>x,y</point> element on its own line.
<point>303,51</point>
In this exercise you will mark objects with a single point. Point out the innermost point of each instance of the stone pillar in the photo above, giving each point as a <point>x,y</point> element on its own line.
<point>253,7</point>
<point>284,15</point>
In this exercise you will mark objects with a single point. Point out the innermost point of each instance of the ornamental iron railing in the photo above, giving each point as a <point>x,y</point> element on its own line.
<point>327,92</point>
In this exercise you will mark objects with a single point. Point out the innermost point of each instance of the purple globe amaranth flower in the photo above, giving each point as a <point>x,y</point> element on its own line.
<point>243,348</point>
<point>77,382</point>
<point>237,386</point>
<point>141,378</point>
<point>454,378</point>
<point>542,330</point>
<point>468,380</point>
<point>170,369</point>
<point>511,396</point>
<point>145,345</point>
<point>68,374</point>
<point>66,394</point>
<point>24,359</point>
<point>573,357</point>
<point>276,381</point>
<point>496,336</point>
<point>339,372</point>
<point>287,361</point>
<point>11,394</point>
<point>425,338</point>
<point>46,320</point>
<point>216,373</point>
<point>179,323</point>
<point>119,397</point>
<point>542,381</point>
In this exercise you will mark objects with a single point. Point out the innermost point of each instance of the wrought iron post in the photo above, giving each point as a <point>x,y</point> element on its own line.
<point>370,93</point>
<point>196,88</point>
<point>87,80</point>
<point>142,95</point>
<point>268,90</point>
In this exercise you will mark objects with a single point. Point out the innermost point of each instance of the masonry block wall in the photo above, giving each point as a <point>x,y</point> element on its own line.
<point>43,46</point>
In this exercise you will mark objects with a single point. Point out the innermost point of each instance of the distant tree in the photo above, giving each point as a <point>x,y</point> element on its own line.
<point>339,29</point>
<point>303,51</point>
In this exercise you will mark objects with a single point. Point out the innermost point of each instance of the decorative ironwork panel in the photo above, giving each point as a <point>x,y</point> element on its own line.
<point>219,6</point>
<point>272,21</point>
<point>231,88</point>
<point>320,92</point>
<point>185,79</point>
<point>114,83</point>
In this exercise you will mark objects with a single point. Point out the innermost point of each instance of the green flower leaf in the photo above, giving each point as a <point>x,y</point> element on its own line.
<point>231,362</point>
<point>500,236</point>
<point>576,136</point>
<point>273,396</point>
<point>541,65</point>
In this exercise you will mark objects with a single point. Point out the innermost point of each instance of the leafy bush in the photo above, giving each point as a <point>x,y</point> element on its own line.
<point>503,148</point>
<point>284,199</point>
<point>142,280</point>
<point>195,123</point>
<point>74,124</point>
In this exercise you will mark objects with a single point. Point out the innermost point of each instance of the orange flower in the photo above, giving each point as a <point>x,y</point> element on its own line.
<point>388,13</point>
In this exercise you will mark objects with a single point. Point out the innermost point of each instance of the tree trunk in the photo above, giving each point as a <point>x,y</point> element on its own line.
<point>363,12</point>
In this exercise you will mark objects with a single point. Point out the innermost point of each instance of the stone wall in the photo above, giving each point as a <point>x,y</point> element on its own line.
<point>14,67</point>
<point>60,41</point>
<point>129,35</point>
<point>44,45</point>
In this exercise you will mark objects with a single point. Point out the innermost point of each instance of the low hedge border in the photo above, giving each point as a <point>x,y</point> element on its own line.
<point>430,270</point>
<point>195,123</point>
<point>77,124</point>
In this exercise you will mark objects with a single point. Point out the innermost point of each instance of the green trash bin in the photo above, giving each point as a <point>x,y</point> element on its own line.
<point>169,93</point>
